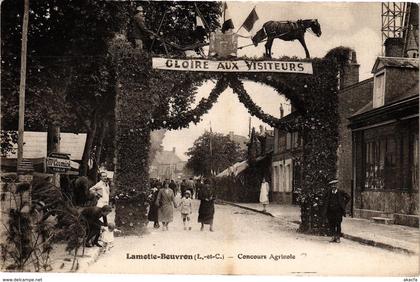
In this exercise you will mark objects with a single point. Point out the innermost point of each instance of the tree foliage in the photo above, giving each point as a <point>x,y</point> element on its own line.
<point>212,153</point>
<point>70,80</point>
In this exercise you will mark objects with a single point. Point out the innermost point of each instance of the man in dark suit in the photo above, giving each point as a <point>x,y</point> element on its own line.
<point>335,208</point>
<point>142,35</point>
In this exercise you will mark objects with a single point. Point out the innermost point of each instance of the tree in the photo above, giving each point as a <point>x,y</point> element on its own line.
<point>70,80</point>
<point>212,153</point>
<point>68,75</point>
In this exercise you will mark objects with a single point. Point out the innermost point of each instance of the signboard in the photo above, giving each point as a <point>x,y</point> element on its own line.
<point>223,45</point>
<point>231,66</point>
<point>58,162</point>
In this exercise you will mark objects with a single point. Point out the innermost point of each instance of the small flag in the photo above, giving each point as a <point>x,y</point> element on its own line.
<point>199,22</point>
<point>250,20</point>
<point>228,23</point>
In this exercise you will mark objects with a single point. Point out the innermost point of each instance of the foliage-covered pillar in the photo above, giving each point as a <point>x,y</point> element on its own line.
<point>319,129</point>
<point>132,140</point>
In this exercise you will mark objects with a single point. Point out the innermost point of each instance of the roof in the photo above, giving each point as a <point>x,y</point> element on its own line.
<point>238,167</point>
<point>240,140</point>
<point>412,92</point>
<point>395,62</point>
<point>35,145</point>
<point>166,158</point>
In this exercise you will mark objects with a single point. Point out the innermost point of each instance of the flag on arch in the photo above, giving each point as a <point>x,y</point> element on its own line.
<point>250,20</point>
<point>228,23</point>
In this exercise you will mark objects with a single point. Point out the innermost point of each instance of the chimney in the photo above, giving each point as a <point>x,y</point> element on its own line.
<point>350,74</point>
<point>231,135</point>
<point>394,47</point>
<point>173,149</point>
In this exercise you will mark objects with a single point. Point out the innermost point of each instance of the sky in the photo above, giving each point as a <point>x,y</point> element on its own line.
<point>354,25</point>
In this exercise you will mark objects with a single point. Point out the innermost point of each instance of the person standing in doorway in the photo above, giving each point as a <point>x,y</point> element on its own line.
<point>101,190</point>
<point>264,190</point>
<point>166,202</point>
<point>335,208</point>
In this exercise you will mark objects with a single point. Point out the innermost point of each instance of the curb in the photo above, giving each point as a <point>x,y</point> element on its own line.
<point>380,245</point>
<point>247,208</point>
<point>88,259</point>
<point>346,236</point>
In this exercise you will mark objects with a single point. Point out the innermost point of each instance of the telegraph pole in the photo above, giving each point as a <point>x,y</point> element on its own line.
<point>22,84</point>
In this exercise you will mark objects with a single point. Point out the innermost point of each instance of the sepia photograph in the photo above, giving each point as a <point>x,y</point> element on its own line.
<point>264,138</point>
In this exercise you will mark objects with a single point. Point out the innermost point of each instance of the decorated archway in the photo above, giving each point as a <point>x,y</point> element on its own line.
<point>137,114</point>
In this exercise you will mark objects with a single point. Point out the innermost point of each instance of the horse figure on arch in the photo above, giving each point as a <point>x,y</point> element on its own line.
<point>286,30</point>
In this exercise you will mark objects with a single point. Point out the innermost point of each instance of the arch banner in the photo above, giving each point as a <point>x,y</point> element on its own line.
<point>231,66</point>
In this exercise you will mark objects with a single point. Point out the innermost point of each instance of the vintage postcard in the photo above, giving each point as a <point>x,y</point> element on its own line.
<point>212,138</point>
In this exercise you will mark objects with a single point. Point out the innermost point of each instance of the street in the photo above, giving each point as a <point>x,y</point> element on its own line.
<point>245,242</point>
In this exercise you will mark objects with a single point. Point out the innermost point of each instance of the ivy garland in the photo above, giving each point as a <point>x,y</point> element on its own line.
<point>254,109</point>
<point>194,115</point>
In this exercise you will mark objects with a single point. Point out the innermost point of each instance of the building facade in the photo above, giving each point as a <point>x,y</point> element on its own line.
<point>386,144</point>
<point>167,165</point>
<point>352,96</point>
<point>286,177</point>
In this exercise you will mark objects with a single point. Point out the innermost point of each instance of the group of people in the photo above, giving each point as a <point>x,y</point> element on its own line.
<point>163,202</point>
<point>96,216</point>
<point>335,202</point>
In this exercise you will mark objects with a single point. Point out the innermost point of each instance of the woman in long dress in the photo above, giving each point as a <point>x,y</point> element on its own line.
<point>206,209</point>
<point>264,194</point>
<point>166,202</point>
<point>153,210</point>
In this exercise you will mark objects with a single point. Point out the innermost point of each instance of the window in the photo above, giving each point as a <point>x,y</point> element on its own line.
<point>373,168</point>
<point>382,163</point>
<point>276,177</point>
<point>282,143</point>
<point>288,141</point>
<point>379,90</point>
<point>288,178</point>
<point>281,177</point>
<point>415,163</point>
<point>296,139</point>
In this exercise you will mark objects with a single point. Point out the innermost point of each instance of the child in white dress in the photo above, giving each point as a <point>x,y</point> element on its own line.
<point>107,236</point>
<point>186,209</point>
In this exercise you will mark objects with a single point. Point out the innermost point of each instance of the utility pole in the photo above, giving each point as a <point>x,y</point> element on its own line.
<point>22,84</point>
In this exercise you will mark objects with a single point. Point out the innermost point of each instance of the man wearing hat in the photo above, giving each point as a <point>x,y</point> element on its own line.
<point>141,33</point>
<point>335,208</point>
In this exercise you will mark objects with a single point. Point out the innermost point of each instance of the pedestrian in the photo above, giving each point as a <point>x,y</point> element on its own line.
<point>186,209</point>
<point>265,188</point>
<point>184,187</point>
<point>191,186</point>
<point>206,209</point>
<point>335,208</point>
<point>198,185</point>
<point>173,186</point>
<point>165,200</point>
<point>101,191</point>
<point>153,209</point>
